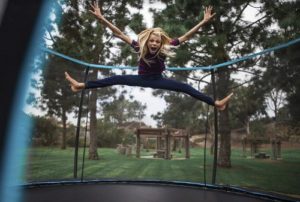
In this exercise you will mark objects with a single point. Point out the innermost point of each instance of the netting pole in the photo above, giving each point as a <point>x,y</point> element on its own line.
<point>216,129</point>
<point>78,126</point>
<point>85,134</point>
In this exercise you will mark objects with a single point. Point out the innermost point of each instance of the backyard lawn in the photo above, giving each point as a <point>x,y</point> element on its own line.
<point>281,176</point>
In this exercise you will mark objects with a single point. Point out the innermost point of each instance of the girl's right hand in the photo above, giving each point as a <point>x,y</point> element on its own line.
<point>96,10</point>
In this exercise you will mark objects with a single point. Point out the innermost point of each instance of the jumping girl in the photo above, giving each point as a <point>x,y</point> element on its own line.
<point>153,46</point>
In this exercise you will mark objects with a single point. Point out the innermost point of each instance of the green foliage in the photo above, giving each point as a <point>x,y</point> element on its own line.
<point>282,68</point>
<point>45,132</point>
<point>182,112</point>
<point>78,34</point>
<point>136,23</point>
<point>109,135</point>
<point>258,129</point>
<point>71,135</point>
<point>116,114</point>
<point>121,110</point>
<point>247,102</point>
<point>230,35</point>
<point>128,138</point>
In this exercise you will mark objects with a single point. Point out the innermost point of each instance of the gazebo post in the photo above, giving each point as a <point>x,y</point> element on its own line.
<point>187,145</point>
<point>138,143</point>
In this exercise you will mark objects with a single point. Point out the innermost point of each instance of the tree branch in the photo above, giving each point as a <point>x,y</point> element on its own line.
<point>246,27</point>
<point>241,84</point>
<point>240,14</point>
<point>52,39</point>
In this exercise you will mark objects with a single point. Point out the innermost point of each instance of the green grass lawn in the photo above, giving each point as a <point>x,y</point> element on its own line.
<point>281,176</point>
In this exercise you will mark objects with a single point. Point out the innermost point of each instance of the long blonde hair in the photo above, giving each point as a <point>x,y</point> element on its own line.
<point>164,49</point>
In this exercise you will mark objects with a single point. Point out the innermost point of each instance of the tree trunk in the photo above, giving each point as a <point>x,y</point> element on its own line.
<point>212,132</point>
<point>64,132</point>
<point>225,140</point>
<point>247,125</point>
<point>93,154</point>
<point>224,122</point>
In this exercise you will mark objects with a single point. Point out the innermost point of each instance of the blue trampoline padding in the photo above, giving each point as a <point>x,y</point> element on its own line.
<point>211,67</point>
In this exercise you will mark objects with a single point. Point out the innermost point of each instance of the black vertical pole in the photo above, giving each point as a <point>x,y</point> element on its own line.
<point>216,129</point>
<point>78,127</point>
<point>85,134</point>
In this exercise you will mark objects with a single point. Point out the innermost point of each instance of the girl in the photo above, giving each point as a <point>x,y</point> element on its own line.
<point>153,46</point>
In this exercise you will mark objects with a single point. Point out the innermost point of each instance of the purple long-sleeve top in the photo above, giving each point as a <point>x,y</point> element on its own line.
<point>156,64</point>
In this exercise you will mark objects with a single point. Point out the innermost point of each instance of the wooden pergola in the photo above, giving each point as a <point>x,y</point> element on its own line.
<point>167,134</point>
<point>256,141</point>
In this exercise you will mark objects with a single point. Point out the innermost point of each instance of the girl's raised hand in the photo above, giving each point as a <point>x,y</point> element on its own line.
<point>208,15</point>
<point>96,10</point>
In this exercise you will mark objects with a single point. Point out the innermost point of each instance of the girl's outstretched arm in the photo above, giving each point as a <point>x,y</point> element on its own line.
<point>117,32</point>
<point>208,15</point>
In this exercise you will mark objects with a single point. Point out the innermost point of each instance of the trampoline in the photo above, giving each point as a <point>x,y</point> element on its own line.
<point>139,191</point>
<point>92,190</point>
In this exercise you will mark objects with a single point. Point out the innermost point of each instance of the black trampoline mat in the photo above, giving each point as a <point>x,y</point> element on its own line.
<point>131,193</point>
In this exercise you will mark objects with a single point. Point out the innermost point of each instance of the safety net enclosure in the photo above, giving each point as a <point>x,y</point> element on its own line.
<point>81,132</point>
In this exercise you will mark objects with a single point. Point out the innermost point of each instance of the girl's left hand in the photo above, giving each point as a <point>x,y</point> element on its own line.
<point>208,15</point>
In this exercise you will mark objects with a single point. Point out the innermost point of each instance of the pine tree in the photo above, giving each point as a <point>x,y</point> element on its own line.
<point>230,35</point>
<point>80,36</point>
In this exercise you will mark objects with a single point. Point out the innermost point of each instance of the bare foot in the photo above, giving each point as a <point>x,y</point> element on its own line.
<point>221,104</point>
<point>75,85</point>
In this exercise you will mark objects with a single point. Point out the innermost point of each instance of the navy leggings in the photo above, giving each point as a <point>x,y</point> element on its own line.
<point>152,81</point>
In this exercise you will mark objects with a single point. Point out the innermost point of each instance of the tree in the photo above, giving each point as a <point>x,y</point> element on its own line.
<point>122,110</point>
<point>229,35</point>
<point>276,101</point>
<point>81,37</point>
<point>282,68</point>
<point>248,101</point>
<point>116,12</point>
<point>57,99</point>
<point>45,131</point>
<point>182,111</point>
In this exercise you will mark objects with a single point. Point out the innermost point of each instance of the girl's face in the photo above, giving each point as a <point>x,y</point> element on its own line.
<point>154,43</point>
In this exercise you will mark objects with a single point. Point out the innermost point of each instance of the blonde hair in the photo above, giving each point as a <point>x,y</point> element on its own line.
<point>165,48</point>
